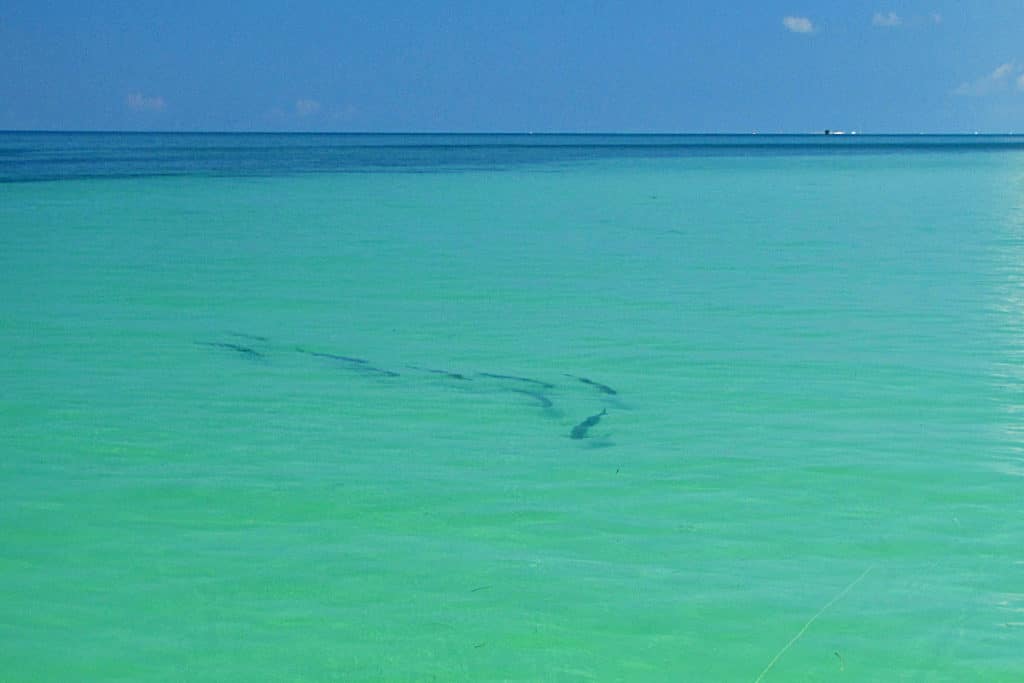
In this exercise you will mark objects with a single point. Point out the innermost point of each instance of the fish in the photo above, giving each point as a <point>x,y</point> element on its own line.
<point>358,363</point>
<point>580,430</point>
<point>446,373</point>
<point>381,371</point>
<point>603,388</point>
<point>333,356</point>
<point>544,401</point>
<point>244,350</point>
<point>518,379</point>
<point>254,337</point>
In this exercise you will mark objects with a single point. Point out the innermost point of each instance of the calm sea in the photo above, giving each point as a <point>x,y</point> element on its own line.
<point>511,408</point>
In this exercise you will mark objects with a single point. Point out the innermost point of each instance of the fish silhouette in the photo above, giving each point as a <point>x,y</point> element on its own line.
<point>580,430</point>
<point>603,388</point>
<point>244,350</point>
<point>518,379</point>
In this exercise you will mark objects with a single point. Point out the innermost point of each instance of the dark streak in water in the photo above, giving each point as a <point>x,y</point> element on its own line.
<point>603,388</point>
<point>518,379</point>
<point>244,350</point>
<point>580,430</point>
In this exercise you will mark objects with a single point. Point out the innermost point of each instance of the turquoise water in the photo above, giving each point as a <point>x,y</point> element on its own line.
<point>229,448</point>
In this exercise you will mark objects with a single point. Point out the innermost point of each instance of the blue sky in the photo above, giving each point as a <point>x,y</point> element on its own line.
<point>638,66</point>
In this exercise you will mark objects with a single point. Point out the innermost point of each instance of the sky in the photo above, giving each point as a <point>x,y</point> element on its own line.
<point>513,66</point>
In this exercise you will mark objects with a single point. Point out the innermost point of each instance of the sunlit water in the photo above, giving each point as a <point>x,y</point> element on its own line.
<point>300,408</point>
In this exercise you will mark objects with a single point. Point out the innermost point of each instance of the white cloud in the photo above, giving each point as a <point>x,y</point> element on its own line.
<point>139,102</point>
<point>798,24</point>
<point>1020,82</point>
<point>913,21</point>
<point>306,107</point>
<point>990,83</point>
<point>890,20</point>
<point>1002,71</point>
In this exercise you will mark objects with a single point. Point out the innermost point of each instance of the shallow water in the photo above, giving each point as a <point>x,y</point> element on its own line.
<point>815,439</point>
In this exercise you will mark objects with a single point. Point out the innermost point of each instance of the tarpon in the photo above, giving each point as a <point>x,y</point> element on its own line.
<point>518,379</point>
<point>580,430</point>
<point>603,388</point>
<point>544,401</point>
<point>446,373</point>
<point>360,364</point>
<point>244,350</point>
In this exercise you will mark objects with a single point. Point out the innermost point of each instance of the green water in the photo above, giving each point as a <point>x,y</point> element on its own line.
<point>814,452</point>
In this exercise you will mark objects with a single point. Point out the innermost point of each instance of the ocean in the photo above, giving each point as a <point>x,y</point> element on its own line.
<point>511,407</point>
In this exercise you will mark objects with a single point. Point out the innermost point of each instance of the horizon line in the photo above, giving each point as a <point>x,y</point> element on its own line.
<point>823,132</point>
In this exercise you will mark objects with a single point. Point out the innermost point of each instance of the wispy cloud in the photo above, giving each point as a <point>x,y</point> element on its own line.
<point>995,81</point>
<point>1002,71</point>
<point>306,107</point>
<point>139,102</point>
<point>798,24</point>
<point>887,20</point>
